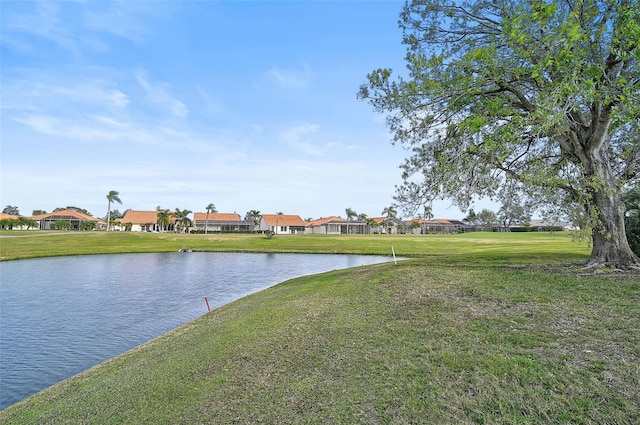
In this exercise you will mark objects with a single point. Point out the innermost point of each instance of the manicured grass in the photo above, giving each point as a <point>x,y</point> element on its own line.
<point>527,247</point>
<point>476,330</point>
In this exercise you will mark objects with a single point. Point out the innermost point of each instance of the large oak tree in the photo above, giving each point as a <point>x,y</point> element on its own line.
<point>537,96</point>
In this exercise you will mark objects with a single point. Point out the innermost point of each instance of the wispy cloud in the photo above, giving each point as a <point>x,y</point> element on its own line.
<point>120,18</point>
<point>51,91</point>
<point>88,131</point>
<point>75,26</point>
<point>300,137</point>
<point>309,139</point>
<point>159,95</point>
<point>44,22</point>
<point>210,104</point>
<point>290,78</point>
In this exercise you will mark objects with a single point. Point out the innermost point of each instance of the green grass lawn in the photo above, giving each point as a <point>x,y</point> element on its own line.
<point>526,247</point>
<point>475,329</point>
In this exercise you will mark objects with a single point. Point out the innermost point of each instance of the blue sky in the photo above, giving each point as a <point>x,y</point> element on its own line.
<point>247,105</point>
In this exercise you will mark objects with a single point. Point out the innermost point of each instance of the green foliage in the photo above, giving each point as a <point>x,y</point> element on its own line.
<point>535,97</point>
<point>114,214</point>
<point>632,218</point>
<point>486,219</point>
<point>71,207</point>
<point>7,223</point>
<point>163,218</point>
<point>182,218</point>
<point>112,196</point>
<point>253,216</point>
<point>20,222</point>
<point>88,225</point>
<point>11,210</point>
<point>62,225</point>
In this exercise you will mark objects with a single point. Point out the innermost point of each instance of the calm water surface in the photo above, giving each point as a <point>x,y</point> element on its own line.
<point>60,316</point>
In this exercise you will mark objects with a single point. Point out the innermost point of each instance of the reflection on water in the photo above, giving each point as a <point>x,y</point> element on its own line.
<point>60,316</point>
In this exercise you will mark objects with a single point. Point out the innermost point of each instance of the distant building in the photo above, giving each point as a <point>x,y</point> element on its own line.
<point>542,224</point>
<point>282,224</point>
<point>76,219</point>
<point>389,226</point>
<point>221,222</point>
<point>335,225</point>
<point>145,221</point>
<point>10,222</point>
<point>438,225</point>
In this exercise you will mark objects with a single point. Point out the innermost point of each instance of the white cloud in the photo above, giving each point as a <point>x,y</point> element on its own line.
<point>76,26</point>
<point>119,99</point>
<point>210,105</point>
<point>61,94</point>
<point>159,95</point>
<point>309,139</point>
<point>86,131</point>
<point>299,137</point>
<point>120,18</point>
<point>290,78</point>
<point>44,22</point>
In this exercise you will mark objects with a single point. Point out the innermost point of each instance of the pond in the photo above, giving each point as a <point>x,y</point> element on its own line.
<point>60,316</point>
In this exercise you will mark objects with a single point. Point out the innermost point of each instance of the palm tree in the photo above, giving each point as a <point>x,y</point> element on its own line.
<point>254,216</point>
<point>112,196</point>
<point>389,212</point>
<point>88,225</point>
<point>62,225</point>
<point>27,222</point>
<point>211,208</point>
<point>164,218</point>
<point>182,218</point>
<point>372,223</point>
<point>415,224</point>
<point>428,212</point>
<point>350,214</point>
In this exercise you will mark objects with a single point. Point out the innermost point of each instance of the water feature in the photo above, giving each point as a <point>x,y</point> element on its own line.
<point>60,316</point>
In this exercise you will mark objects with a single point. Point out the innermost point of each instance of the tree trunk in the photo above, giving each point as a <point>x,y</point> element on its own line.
<point>610,245</point>
<point>109,215</point>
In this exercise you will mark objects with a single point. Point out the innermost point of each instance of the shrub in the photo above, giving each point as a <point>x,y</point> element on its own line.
<point>632,219</point>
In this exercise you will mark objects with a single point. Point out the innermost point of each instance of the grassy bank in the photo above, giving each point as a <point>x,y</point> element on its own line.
<point>526,247</point>
<point>478,330</point>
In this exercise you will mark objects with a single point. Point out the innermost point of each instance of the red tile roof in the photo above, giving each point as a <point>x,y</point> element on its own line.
<point>143,217</point>
<point>216,217</point>
<point>321,221</point>
<point>283,220</point>
<point>4,216</point>
<point>432,221</point>
<point>67,213</point>
<point>379,219</point>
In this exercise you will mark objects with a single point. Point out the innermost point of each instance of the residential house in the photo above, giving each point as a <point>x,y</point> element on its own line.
<point>390,226</point>
<point>439,225</point>
<point>282,224</point>
<point>549,225</point>
<point>76,219</point>
<point>221,222</point>
<point>335,225</point>
<point>11,222</point>
<point>145,221</point>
